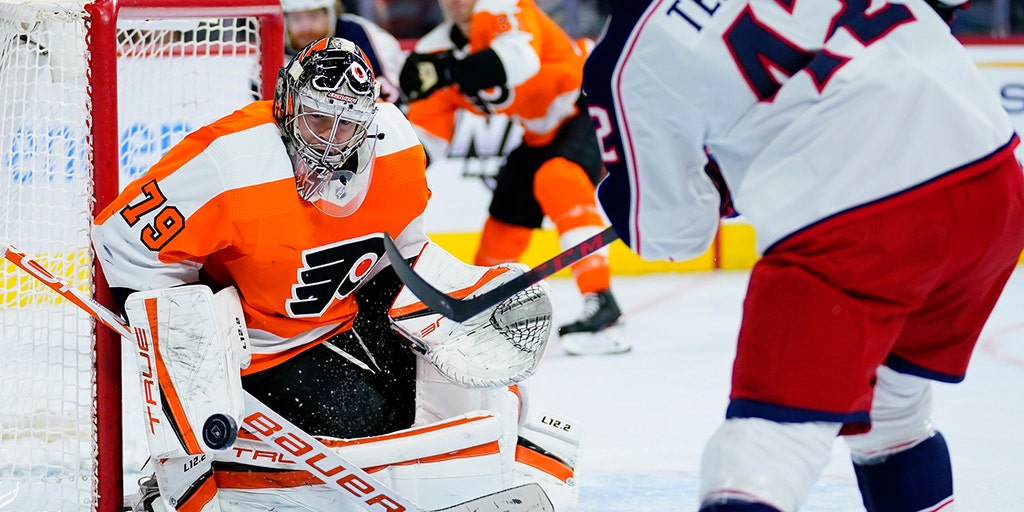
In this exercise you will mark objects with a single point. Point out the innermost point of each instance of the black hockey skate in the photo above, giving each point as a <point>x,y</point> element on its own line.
<point>598,331</point>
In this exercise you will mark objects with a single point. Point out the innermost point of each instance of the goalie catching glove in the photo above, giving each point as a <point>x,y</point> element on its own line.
<point>499,347</point>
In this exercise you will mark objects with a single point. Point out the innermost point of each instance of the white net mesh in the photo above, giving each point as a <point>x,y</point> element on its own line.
<point>47,434</point>
<point>173,76</point>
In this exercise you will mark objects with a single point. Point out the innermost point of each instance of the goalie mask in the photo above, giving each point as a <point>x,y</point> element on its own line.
<point>325,103</point>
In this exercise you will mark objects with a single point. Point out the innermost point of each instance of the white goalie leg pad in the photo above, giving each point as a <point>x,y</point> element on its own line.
<point>558,435</point>
<point>434,465</point>
<point>496,348</point>
<point>538,446</point>
<point>764,461</point>
<point>190,344</point>
<point>438,398</point>
<point>901,417</point>
<point>187,484</point>
<point>437,463</point>
<point>547,454</point>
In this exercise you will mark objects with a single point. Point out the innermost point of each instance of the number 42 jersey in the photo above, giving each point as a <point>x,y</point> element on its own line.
<point>811,109</point>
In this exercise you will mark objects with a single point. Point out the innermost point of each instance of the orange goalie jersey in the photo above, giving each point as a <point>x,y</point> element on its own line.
<point>543,66</point>
<point>228,189</point>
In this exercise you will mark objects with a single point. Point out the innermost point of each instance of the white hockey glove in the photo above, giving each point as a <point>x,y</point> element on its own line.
<point>499,347</point>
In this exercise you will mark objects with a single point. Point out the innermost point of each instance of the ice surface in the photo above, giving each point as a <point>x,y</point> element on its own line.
<point>646,414</point>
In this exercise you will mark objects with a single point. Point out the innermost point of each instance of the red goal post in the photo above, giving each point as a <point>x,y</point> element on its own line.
<point>91,94</point>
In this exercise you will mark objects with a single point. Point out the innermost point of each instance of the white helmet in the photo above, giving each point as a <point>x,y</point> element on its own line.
<point>329,80</point>
<point>310,5</point>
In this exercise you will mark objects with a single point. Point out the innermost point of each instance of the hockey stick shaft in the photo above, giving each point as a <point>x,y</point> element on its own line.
<point>76,296</point>
<point>461,310</point>
<point>291,441</point>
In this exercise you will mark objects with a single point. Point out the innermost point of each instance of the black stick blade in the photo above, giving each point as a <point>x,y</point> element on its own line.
<point>464,309</point>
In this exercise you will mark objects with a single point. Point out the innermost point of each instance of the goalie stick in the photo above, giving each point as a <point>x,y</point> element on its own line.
<point>461,310</point>
<point>291,441</point>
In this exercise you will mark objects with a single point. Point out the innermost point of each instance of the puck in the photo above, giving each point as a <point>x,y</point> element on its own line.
<point>220,431</point>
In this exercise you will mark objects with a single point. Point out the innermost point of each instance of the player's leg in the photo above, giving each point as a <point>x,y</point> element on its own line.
<point>181,328</point>
<point>464,443</point>
<point>753,464</point>
<point>823,309</point>
<point>803,369</point>
<point>434,465</point>
<point>501,242</point>
<point>538,446</point>
<point>566,195</point>
<point>902,464</point>
<point>513,213</point>
<point>816,328</point>
<point>564,187</point>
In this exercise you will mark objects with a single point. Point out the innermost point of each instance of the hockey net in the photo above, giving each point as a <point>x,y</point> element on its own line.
<point>91,95</point>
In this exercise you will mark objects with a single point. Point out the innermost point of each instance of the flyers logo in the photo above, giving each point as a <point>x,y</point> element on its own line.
<point>330,272</point>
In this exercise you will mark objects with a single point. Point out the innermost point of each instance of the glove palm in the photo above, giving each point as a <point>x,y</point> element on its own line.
<point>424,73</point>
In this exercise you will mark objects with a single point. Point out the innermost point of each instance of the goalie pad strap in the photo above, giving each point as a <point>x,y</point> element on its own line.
<point>534,456</point>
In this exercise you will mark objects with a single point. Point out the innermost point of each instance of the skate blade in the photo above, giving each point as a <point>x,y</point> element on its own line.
<point>608,341</point>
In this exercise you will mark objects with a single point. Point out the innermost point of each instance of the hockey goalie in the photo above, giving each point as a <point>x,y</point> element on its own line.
<point>249,261</point>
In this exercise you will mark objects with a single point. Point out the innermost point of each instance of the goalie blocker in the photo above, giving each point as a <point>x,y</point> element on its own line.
<point>190,344</point>
<point>472,436</point>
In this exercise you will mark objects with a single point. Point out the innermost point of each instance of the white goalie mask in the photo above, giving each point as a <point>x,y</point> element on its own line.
<point>325,104</point>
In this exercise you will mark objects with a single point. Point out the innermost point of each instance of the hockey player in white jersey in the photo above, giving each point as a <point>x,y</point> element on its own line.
<point>878,169</point>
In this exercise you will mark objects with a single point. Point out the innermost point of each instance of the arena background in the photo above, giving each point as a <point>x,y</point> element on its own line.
<point>461,182</point>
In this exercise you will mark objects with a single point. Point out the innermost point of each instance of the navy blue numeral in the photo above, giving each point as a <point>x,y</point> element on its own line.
<point>761,52</point>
